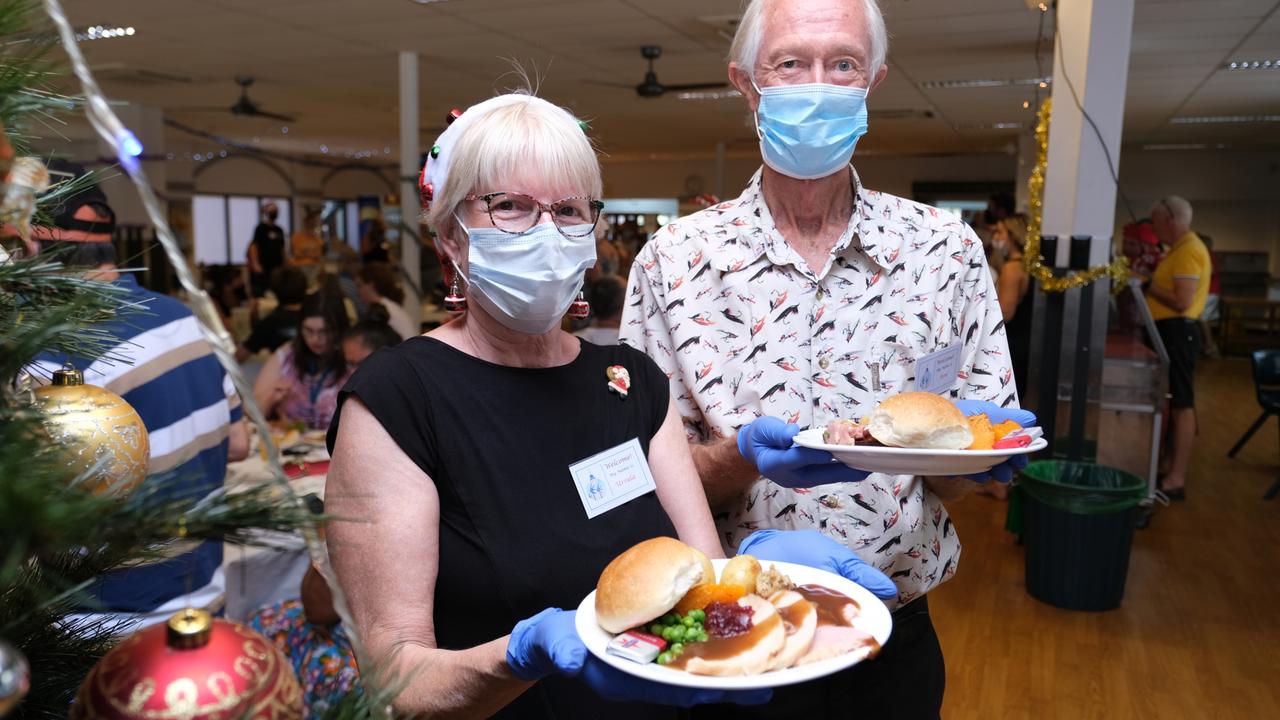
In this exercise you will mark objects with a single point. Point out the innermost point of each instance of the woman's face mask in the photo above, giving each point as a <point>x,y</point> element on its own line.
<point>526,281</point>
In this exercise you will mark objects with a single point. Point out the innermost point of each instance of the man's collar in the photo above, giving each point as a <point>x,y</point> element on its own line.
<point>745,227</point>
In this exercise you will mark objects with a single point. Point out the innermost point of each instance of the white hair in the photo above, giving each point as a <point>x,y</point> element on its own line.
<point>750,35</point>
<point>1177,208</point>
<point>510,137</point>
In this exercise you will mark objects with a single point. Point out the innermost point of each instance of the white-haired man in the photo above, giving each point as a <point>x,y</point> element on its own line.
<point>810,298</point>
<point>1176,294</point>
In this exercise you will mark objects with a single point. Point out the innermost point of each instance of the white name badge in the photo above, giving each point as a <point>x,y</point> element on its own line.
<point>937,371</point>
<point>612,478</point>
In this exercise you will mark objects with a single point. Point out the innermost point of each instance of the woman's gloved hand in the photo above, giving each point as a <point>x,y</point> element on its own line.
<point>766,443</point>
<point>812,548</point>
<point>548,644</point>
<point>1005,470</point>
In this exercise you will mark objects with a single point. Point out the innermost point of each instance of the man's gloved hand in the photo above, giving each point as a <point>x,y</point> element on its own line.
<point>548,644</point>
<point>766,443</point>
<point>812,548</point>
<point>1005,470</point>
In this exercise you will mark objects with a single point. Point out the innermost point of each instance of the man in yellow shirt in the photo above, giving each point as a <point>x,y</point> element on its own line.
<point>1176,294</point>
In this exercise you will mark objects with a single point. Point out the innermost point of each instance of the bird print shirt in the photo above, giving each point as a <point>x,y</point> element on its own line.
<point>744,328</point>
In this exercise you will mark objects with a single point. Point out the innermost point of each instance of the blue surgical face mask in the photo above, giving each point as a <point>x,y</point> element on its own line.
<point>527,281</point>
<point>809,131</point>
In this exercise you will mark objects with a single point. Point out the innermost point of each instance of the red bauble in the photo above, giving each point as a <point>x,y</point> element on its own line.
<point>193,667</point>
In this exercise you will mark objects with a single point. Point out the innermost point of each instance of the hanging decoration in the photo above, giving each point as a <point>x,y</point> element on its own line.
<point>27,177</point>
<point>15,677</point>
<point>98,431</point>
<point>1043,275</point>
<point>193,667</point>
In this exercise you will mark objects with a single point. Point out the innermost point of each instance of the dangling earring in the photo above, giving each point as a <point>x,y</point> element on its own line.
<point>455,301</point>
<point>580,309</point>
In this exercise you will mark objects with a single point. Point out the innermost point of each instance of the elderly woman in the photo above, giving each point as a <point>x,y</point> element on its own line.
<point>456,447</point>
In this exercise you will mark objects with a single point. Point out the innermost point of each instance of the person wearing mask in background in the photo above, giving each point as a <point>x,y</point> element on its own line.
<point>1013,290</point>
<point>810,298</point>
<point>373,244</point>
<point>266,250</point>
<point>369,335</point>
<point>301,380</point>
<point>186,400</point>
<point>289,285</point>
<point>1176,294</point>
<point>376,283</point>
<point>306,247</point>
<point>605,295</point>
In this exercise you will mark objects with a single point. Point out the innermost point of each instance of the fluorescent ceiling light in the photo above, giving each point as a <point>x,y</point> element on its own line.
<point>708,95</point>
<point>1184,146</point>
<point>983,83</point>
<point>1222,119</point>
<point>991,126</point>
<point>1252,65</point>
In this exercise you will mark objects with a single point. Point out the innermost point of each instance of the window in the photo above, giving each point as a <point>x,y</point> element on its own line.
<point>342,221</point>
<point>223,225</point>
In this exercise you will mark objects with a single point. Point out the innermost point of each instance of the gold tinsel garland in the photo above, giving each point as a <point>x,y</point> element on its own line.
<point>1118,270</point>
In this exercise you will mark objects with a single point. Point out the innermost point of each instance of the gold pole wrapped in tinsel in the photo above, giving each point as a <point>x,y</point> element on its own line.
<point>1118,270</point>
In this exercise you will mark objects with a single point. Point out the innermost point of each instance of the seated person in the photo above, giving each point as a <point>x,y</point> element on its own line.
<point>301,380</point>
<point>605,295</point>
<point>372,333</point>
<point>289,285</point>
<point>376,283</point>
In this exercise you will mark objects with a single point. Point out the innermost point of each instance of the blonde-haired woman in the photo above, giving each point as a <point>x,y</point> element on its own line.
<point>454,448</point>
<point>1013,289</point>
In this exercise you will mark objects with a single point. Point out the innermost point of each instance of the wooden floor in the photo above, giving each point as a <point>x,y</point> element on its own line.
<point>1198,634</point>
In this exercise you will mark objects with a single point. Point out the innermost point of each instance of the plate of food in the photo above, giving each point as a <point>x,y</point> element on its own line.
<point>920,433</point>
<point>664,612</point>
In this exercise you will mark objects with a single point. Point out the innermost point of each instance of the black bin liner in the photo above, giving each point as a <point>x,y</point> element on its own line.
<point>1078,523</point>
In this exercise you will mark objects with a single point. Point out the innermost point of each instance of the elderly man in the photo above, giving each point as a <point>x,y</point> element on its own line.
<point>811,298</point>
<point>1176,294</point>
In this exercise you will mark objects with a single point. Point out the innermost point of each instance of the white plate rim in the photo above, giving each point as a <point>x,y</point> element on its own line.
<point>803,439</point>
<point>879,623</point>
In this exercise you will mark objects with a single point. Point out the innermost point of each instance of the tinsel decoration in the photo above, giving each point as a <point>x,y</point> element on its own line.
<point>193,667</point>
<point>1034,262</point>
<point>15,678</point>
<point>99,432</point>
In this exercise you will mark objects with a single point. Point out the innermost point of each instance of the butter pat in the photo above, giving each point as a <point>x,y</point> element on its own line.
<point>637,646</point>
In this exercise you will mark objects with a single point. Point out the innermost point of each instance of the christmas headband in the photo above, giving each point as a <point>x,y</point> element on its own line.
<point>436,168</point>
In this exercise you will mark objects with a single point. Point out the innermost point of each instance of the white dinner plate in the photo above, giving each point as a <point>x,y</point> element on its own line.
<point>873,619</point>
<point>916,461</point>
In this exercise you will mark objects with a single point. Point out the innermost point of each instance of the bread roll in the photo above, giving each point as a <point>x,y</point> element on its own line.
<point>646,581</point>
<point>920,420</point>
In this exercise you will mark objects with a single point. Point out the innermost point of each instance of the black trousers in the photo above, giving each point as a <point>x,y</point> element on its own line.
<point>904,682</point>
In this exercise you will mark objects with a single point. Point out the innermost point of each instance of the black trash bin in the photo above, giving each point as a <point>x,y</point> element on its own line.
<point>1078,523</point>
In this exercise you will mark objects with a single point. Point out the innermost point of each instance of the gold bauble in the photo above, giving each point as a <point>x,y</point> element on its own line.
<point>96,429</point>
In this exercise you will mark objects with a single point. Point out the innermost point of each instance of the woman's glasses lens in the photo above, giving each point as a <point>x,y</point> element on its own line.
<point>517,213</point>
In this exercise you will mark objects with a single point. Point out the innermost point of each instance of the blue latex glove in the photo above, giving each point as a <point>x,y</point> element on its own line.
<point>1005,470</point>
<point>766,443</point>
<point>812,548</point>
<point>548,644</point>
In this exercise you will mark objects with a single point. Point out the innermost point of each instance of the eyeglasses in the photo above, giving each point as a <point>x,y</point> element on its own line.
<point>515,213</point>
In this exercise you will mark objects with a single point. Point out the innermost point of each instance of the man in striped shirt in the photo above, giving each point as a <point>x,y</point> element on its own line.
<point>188,403</point>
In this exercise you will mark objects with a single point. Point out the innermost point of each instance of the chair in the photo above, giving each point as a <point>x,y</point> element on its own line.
<point>1266,383</point>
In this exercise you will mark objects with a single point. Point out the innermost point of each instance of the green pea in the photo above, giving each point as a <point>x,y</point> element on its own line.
<point>668,633</point>
<point>678,633</point>
<point>664,658</point>
<point>669,619</point>
<point>686,621</point>
<point>702,636</point>
<point>699,615</point>
<point>655,629</point>
<point>676,649</point>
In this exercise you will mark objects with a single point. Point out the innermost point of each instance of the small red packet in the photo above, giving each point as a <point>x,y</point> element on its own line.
<point>1011,441</point>
<point>637,646</point>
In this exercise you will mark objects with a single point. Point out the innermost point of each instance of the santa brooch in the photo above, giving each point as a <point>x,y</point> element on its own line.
<point>619,379</point>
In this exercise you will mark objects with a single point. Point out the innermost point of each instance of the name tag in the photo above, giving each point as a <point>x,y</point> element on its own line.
<point>612,478</point>
<point>937,371</point>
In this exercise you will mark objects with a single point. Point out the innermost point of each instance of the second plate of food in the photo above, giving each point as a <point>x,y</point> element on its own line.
<point>859,639</point>
<point>914,461</point>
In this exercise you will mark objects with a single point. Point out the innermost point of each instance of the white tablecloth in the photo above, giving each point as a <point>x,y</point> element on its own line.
<point>258,576</point>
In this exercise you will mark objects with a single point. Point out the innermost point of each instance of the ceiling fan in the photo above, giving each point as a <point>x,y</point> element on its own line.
<point>650,87</point>
<point>244,107</point>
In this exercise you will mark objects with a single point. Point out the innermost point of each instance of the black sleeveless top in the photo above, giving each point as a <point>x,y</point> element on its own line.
<point>497,441</point>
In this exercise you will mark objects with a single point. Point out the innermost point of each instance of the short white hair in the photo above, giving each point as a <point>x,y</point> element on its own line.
<point>1178,209</point>
<point>525,135</point>
<point>750,35</point>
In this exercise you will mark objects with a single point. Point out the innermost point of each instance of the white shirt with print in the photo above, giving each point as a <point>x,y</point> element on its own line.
<point>744,328</point>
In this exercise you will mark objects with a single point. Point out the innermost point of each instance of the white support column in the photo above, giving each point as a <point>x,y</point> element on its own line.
<point>1092,50</point>
<point>410,251</point>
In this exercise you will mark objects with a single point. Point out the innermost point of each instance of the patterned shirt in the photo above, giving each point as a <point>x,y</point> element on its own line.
<point>744,328</point>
